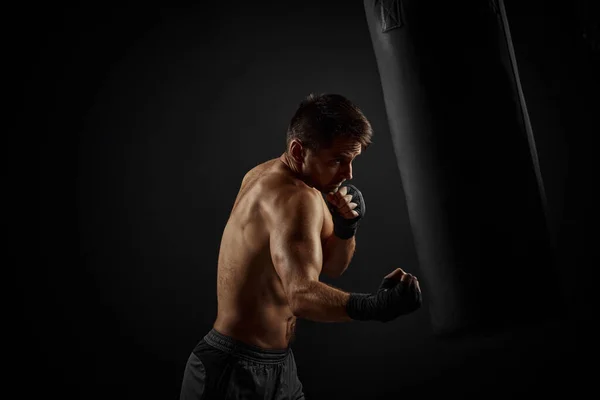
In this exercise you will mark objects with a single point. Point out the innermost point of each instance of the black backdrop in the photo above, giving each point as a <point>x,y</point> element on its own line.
<point>137,127</point>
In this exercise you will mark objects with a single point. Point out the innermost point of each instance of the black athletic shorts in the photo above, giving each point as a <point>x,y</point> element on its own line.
<point>221,367</point>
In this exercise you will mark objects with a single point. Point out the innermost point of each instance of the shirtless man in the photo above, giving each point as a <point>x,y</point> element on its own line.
<point>281,235</point>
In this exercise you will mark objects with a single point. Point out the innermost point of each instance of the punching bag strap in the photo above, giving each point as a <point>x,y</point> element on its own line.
<point>390,14</point>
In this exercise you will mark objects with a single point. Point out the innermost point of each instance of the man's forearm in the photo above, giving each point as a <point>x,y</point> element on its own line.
<point>320,302</point>
<point>338,253</point>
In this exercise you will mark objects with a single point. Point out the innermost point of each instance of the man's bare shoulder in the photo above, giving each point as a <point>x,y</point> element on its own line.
<point>294,195</point>
<point>285,194</point>
<point>296,205</point>
<point>291,189</point>
<point>278,179</point>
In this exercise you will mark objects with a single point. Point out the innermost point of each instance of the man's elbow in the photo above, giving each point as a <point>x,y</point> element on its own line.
<point>298,297</point>
<point>300,306</point>
<point>301,298</point>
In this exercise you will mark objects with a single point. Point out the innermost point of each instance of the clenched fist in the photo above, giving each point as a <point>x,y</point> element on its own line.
<point>398,294</point>
<point>347,207</point>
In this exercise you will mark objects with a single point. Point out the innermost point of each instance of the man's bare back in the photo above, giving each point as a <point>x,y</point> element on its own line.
<point>252,305</point>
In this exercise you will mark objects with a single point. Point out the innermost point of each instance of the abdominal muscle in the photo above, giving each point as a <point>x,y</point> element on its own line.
<point>252,305</point>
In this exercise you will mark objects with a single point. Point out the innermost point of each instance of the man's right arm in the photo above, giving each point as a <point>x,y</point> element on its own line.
<point>295,244</point>
<point>298,259</point>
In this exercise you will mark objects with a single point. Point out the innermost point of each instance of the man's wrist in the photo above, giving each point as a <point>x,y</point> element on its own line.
<point>344,232</point>
<point>359,307</point>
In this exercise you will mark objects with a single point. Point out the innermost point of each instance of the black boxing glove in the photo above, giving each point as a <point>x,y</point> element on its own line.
<point>346,228</point>
<point>393,299</point>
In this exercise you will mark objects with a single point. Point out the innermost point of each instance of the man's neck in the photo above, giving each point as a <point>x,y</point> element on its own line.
<point>289,163</point>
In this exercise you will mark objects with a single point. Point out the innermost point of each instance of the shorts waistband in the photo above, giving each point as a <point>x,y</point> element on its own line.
<point>245,350</point>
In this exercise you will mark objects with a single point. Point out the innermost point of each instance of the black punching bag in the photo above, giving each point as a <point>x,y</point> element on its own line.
<point>467,163</point>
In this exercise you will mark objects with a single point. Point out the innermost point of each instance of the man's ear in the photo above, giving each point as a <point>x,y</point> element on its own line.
<point>297,151</point>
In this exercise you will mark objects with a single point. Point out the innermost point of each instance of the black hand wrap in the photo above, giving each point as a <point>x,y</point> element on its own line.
<point>346,228</point>
<point>393,298</point>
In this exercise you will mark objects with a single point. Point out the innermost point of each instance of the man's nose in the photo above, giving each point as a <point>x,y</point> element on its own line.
<point>348,173</point>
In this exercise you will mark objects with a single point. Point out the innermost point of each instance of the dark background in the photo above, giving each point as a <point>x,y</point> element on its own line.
<point>137,127</point>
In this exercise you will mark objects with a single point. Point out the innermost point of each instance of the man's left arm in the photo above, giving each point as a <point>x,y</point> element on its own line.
<point>347,207</point>
<point>338,253</point>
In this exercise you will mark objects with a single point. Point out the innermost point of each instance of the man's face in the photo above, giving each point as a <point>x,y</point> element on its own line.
<point>328,168</point>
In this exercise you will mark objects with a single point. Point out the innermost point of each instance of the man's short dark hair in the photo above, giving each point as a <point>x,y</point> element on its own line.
<point>320,119</point>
